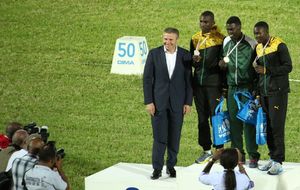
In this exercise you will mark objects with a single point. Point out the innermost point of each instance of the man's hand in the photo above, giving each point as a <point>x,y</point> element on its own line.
<point>58,163</point>
<point>150,109</point>
<point>224,92</point>
<point>196,58</point>
<point>186,109</point>
<point>260,69</point>
<point>222,64</point>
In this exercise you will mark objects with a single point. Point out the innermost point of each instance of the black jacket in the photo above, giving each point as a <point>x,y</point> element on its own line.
<point>159,88</point>
<point>277,61</point>
<point>207,71</point>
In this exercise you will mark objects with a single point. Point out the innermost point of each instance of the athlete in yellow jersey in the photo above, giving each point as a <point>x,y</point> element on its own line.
<point>206,47</point>
<point>273,64</point>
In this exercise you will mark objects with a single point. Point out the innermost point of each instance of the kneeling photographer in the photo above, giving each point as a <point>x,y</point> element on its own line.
<point>48,173</point>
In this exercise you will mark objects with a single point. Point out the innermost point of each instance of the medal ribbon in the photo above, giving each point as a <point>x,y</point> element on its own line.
<point>200,44</point>
<point>229,52</point>
<point>264,48</point>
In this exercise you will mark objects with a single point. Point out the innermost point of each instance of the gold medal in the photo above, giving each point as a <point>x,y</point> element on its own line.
<point>226,59</point>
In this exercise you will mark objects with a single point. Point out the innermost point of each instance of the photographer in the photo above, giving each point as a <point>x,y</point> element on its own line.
<point>18,141</point>
<point>229,178</point>
<point>6,139</point>
<point>48,173</point>
<point>23,151</point>
<point>21,165</point>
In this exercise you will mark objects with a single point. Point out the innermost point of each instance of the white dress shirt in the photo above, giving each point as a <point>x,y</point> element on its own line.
<point>171,61</point>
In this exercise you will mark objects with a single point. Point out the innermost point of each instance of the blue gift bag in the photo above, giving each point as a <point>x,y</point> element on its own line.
<point>220,125</point>
<point>248,110</point>
<point>261,127</point>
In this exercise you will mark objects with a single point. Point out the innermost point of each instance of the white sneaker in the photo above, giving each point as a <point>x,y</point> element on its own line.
<point>275,169</point>
<point>267,166</point>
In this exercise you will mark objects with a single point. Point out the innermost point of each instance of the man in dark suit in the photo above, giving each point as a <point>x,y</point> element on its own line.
<point>167,96</point>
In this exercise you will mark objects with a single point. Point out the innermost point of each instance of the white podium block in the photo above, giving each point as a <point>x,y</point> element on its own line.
<point>130,55</point>
<point>121,176</point>
<point>124,175</point>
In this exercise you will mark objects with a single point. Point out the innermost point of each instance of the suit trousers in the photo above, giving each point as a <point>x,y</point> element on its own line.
<point>206,100</point>
<point>275,108</point>
<point>166,125</point>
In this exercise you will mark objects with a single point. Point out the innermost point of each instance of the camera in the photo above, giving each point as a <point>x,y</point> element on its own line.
<point>32,128</point>
<point>60,153</point>
<point>44,133</point>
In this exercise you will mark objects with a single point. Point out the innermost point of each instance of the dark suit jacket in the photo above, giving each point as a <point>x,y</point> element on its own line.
<point>159,89</point>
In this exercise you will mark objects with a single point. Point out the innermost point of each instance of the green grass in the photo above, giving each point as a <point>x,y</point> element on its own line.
<point>55,59</point>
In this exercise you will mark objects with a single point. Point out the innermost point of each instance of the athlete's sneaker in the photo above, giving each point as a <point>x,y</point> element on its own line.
<point>267,166</point>
<point>275,169</point>
<point>203,158</point>
<point>253,163</point>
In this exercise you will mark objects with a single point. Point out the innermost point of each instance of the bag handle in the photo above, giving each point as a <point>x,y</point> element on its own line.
<point>219,106</point>
<point>243,93</point>
<point>247,94</point>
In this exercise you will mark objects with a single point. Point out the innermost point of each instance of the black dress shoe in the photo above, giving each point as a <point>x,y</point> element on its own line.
<point>171,172</point>
<point>156,174</point>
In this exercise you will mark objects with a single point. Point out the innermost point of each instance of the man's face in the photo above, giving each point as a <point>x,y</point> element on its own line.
<point>233,30</point>
<point>206,23</point>
<point>170,41</point>
<point>261,35</point>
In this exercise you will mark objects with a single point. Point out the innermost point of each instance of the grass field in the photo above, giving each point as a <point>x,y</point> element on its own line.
<point>55,59</point>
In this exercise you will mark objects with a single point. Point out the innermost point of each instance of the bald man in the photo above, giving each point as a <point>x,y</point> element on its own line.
<point>23,164</point>
<point>22,152</point>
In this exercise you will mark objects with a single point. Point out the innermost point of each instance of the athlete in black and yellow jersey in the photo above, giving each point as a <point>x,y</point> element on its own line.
<point>273,66</point>
<point>206,47</point>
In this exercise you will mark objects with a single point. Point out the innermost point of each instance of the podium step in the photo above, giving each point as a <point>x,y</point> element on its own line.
<point>122,176</point>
